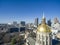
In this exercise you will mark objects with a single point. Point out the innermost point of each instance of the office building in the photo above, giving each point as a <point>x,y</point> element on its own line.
<point>36,22</point>
<point>15,23</point>
<point>22,23</point>
<point>49,22</point>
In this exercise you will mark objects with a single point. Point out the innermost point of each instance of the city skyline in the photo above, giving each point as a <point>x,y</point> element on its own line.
<point>28,10</point>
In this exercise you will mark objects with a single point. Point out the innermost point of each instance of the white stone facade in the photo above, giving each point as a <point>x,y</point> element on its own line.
<point>43,38</point>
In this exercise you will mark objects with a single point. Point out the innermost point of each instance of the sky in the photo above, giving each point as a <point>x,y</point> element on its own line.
<point>28,10</point>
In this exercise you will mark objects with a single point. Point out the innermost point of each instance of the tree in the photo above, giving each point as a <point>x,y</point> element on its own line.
<point>13,41</point>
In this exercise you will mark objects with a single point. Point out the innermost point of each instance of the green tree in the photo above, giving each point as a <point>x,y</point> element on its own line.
<point>13,41</point>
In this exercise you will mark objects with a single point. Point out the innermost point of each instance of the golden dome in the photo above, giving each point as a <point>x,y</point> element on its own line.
<point>43,27</point>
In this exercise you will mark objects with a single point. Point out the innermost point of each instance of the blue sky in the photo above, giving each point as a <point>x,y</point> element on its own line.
<point>28,10</point>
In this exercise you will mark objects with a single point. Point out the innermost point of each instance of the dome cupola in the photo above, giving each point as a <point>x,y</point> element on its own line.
<point>43,27</point>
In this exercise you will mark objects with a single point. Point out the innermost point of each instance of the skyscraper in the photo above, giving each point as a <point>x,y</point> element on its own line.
<point>36,22</point>
<point>56,20</point>
<point>15,23</point>
<point>49,22</point>
<point>22,26</point>
<point>22,23</point>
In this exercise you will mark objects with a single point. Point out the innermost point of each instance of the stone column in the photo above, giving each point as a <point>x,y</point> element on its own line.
<point>48,40</point>
<point>45,40</point>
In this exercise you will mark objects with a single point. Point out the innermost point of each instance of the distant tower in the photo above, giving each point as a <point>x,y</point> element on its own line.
<point>15,23</point>
<point>49,22</point>
<point>43,34</point>
<point>56,20</point>
<point>36,22</point>
<point>22,23</point>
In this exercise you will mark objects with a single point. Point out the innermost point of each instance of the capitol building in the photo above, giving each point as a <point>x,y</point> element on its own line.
<point>43,35</point>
